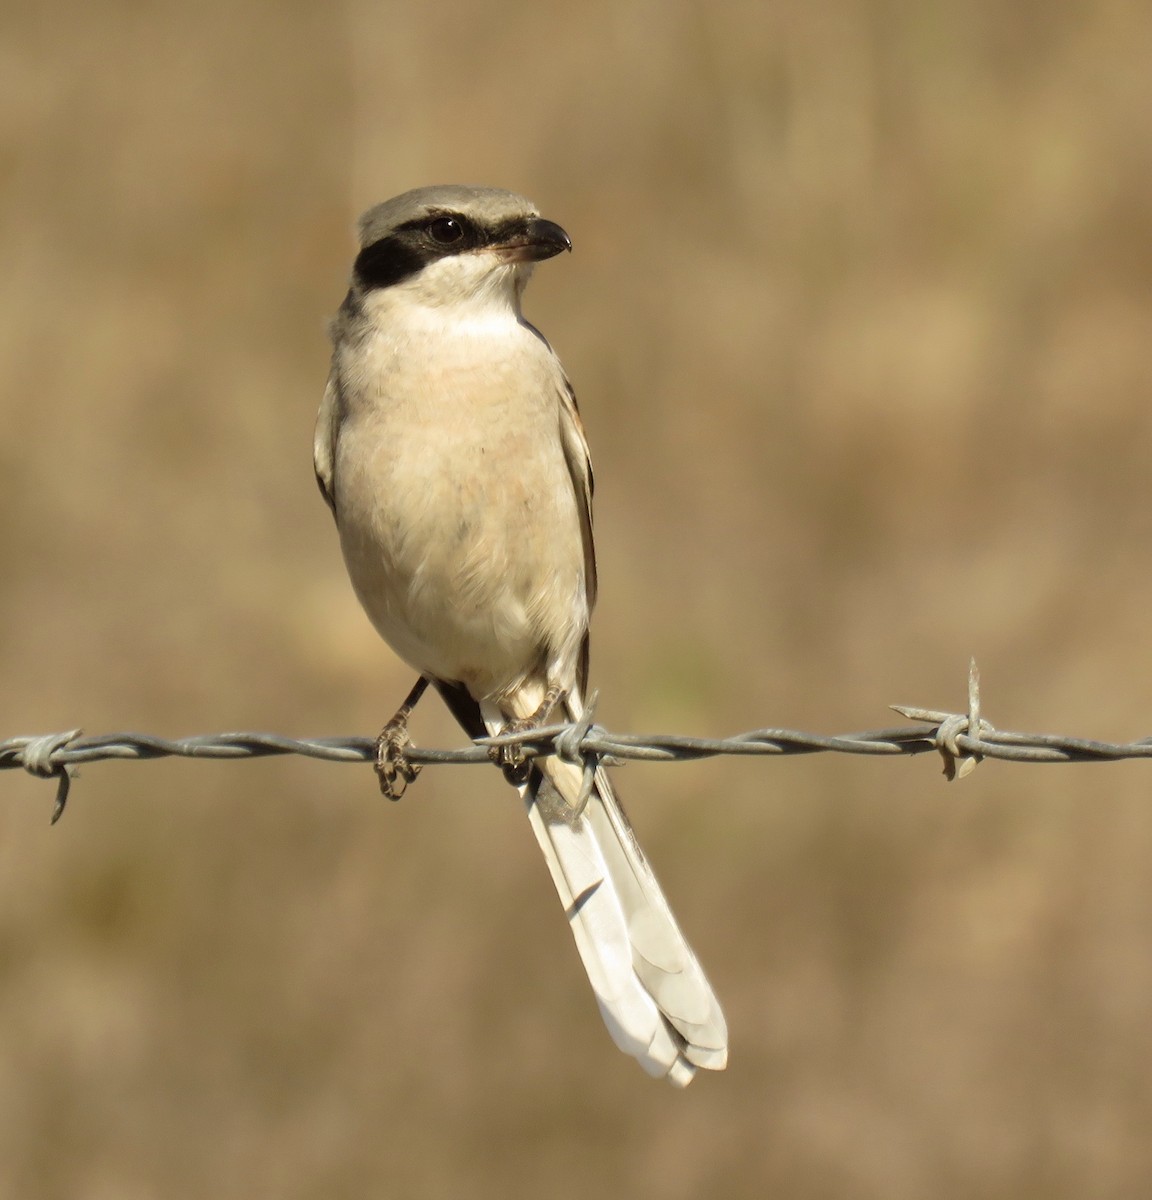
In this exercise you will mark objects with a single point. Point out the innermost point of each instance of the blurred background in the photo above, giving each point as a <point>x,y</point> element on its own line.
<point>859,316</point>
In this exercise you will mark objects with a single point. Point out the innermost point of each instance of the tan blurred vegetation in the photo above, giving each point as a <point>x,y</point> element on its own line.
<point>860,318</point>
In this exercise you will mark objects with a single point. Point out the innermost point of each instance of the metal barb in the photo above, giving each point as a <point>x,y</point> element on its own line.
<point>41,757</point>
<point>569,747</point>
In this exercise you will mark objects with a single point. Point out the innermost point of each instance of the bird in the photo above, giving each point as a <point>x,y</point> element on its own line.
<point>451,452</point>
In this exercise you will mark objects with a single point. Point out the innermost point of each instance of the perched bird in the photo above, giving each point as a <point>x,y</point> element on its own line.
<point>450,451</point>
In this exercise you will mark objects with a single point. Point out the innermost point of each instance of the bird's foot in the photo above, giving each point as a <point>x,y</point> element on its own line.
<point>394,769</point>
<point>510,758</point>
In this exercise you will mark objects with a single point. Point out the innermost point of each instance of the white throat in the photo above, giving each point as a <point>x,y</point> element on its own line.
<point>468,287</point>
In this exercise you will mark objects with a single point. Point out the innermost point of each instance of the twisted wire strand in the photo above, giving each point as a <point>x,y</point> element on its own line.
<point>75,748</point>
<point>962,739</point>
<point>56,755</point>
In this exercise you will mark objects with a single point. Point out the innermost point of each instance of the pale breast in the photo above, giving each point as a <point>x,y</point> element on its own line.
<point>457,513</point>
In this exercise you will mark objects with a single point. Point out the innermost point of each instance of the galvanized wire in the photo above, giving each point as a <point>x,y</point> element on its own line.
<point>962,739</point>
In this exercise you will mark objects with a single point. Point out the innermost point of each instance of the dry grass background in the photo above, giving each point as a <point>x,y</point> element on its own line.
<point>859,316</point>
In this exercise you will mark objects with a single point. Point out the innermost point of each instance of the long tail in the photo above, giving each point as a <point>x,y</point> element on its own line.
<point>654,997</point>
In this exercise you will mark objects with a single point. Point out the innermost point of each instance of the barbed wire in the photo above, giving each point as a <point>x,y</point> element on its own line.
<point>962,739</point>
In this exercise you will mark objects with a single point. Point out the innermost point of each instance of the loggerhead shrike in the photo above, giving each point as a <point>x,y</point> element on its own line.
<point>450,451</point>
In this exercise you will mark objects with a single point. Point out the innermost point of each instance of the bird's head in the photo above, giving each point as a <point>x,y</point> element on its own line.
<point>451,244</point>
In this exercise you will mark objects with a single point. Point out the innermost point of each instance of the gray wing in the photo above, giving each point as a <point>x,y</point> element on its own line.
<point>324,442</point>
<point>580,469</point>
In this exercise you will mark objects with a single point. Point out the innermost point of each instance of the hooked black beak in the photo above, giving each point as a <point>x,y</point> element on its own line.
<point>535,240</point>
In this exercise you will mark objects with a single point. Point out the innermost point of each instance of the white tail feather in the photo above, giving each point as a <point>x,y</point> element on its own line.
<point>652,993</point>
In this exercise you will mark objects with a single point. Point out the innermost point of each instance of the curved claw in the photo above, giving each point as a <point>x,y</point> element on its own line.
<point>511,759</point>
<point>394,769</point>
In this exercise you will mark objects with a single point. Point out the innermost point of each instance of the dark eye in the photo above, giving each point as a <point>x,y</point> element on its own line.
<point>446,230</point>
